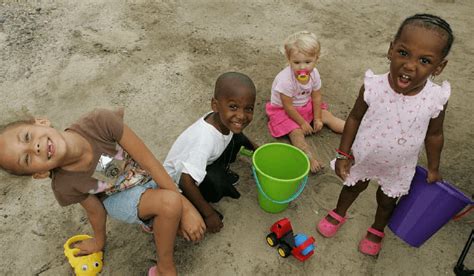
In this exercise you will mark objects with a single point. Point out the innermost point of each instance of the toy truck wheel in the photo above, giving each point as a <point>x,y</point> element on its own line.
<point>272,239</point>
<point>284,250</point>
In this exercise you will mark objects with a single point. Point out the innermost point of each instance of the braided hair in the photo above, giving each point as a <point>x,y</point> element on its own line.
<point>431,22</point>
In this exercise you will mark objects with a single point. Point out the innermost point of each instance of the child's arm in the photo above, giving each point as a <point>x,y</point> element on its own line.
<point>191,222</point>
<point>249,144</point>
<point>350,130</point>
<point>137,149</point>
<point>434,142</point>
<point>317,113</point>
<point>293,114</point>
<point>97,217</point>
<point>191,191</point>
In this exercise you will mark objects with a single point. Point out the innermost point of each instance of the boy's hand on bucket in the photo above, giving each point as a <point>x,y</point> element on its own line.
<point>213,222</point>
<point>433,176</point>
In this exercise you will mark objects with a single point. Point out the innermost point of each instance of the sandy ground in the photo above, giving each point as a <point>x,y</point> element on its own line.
<point>159,59</point>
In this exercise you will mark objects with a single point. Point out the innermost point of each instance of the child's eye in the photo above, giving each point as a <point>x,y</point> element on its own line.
<point>249,109</point>
<point>27,159</point>
<point>27,137</point>
<point>233,107</point>
<point>403,53</point>
<point>425,60</point>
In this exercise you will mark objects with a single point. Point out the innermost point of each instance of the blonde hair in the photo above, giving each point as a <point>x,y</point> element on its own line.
<point>304,42</point>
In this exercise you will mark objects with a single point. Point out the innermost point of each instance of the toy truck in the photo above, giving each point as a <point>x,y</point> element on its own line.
<point>299,245</point>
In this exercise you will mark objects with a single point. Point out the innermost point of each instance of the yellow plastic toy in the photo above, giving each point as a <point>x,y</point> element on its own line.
<point>88,265</point>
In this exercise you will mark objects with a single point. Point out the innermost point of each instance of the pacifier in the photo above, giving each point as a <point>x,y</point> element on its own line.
<point>302,75</point>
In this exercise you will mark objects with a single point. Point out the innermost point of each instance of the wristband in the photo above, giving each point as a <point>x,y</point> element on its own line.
<point>343,155</point>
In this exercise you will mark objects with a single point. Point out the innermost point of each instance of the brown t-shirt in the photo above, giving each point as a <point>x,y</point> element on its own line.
<point>103,129</point>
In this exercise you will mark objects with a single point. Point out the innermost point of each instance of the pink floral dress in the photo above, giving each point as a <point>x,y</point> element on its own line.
<point>392,133</point>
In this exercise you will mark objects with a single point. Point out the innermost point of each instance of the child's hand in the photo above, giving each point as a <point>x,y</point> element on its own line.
<point>433,176</point>
<point>318,124</point>
<point>88,246</point>
<point>192,225</point>
<point>307,129</point>
<point>213,222</point>
<point>343,167</point>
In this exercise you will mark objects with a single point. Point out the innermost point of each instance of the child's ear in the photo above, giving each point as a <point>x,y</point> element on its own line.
<point>214,104</point>
<point>390,49</point>
<point>316,58</point>
<point>41,175</point>
<point>440,67</point>
<point>43,122</point>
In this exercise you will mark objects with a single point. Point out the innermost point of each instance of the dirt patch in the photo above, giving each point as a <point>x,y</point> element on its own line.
<point>159,59</point>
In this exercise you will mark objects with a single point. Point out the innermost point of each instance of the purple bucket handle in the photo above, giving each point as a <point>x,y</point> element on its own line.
<point>425,209</point>
<point>445,186</point>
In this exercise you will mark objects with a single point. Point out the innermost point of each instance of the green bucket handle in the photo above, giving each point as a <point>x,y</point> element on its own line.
<point>293,197</point>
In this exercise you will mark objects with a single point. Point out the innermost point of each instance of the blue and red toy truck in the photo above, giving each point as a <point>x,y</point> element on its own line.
<point>300,246</point>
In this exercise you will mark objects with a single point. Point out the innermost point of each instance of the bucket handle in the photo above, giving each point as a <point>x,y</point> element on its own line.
<point>293,197</point>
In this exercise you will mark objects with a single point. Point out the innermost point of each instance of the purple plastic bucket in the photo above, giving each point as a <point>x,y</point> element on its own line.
<point>425,209</point>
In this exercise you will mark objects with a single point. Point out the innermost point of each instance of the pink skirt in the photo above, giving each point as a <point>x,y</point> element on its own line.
<point>280,124</point>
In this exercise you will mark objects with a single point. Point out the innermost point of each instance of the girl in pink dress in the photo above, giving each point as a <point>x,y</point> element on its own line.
<point>295,108</point>
<point>394,115</point>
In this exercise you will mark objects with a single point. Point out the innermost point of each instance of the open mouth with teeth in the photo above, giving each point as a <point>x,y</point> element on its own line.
<point>50,149</point>
<point>237,126</point>
<point>403,81</point>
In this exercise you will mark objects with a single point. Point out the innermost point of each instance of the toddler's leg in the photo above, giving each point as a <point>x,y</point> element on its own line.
<point>329,225</point>
<point>385,206</point>
<point>347,196</point>
<point>298,140</point>
<point>334,123</point>
<point>165,208</point>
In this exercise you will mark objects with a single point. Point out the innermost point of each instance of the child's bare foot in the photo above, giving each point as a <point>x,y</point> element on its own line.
<point>314,165</point>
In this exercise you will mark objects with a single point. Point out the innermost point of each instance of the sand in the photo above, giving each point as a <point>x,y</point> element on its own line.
<point>159,60</point>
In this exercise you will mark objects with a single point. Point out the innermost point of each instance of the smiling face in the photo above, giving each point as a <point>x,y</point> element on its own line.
<point>233,110</point>
<point>27,149</point>
<point>415,55</point>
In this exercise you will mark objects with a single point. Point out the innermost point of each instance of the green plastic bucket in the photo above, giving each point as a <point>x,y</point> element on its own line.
<point>280,172</point>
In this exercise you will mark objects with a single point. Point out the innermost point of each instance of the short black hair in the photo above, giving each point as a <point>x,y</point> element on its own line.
<point>431,22</point>
<point>226,81</point>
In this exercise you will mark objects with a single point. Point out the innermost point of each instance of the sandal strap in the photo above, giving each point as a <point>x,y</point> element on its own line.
<point>336,216</point>
<point>376,232</point>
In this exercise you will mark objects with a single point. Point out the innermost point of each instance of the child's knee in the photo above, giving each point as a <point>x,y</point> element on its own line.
<point>358,187</point>
<point>326,115</point>
<point>172,203</point>
<point>296,133</point>
<point>385,202</point>
<point>297,138</point>
<point>163,203</point>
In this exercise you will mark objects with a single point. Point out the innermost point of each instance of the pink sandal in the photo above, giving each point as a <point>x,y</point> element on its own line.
<point>328,229</point>
<point>147,229</point>
<point>369,247</point>
<point>152,271</point>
